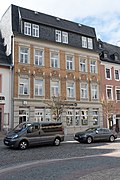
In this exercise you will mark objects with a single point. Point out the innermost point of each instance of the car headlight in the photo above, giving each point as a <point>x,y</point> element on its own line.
<point>15,136</point>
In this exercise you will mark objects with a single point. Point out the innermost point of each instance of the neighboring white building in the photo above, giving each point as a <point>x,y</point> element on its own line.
<point>5,89</point>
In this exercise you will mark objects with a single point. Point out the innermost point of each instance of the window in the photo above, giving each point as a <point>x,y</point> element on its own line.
<point>54,59</point>
<point>69,117</point>
<point>35,30</point>
<point>23,86</point>
<point>90,43</point>
<point>61,36</point>
<point>95,116</point>
<point>109,92</point>
<point>84,116</point>
<point>27,28</point>
<point>108,73</point>
<point>116,57</point>
<point>69,62</point>
<point>117,74</point>
<point>58,36</point>
<point>84,42</point>
<point>87,42</point>
<point>0,83</point>
<point>82,64</point>
<point>65,37</point>
<point>24,54</point>
<point>39,57</point>
<point>94,90</point>
<point>39,115</point>
<point>55,88</point>
<point>105,55</point>
<point>77,117</point>
<point>38,87</point>
<point>84,91</point>
<point>118,94</point>
<point>93,66</point>
<point>70,90</point>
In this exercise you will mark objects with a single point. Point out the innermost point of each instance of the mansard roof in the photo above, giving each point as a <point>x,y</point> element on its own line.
<point>112,51</point>
<point>40,18</point>
<point>4,60</point>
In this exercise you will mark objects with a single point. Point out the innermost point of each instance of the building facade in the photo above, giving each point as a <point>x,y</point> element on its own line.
<point>53,57</point>
<point>110,84</point>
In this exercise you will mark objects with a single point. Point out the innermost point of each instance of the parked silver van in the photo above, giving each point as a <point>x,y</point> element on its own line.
<point>35,133</point>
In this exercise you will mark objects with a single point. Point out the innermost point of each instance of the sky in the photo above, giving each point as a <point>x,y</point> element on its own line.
<point>103,15</point>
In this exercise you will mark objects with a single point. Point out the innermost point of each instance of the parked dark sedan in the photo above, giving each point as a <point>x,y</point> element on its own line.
<point>95,134</point>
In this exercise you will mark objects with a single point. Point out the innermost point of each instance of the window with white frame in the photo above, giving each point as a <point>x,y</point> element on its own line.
<point>39,115</point>
<point>90,43</point>
<point>69,62</point>
<point>94,91</point>
<point>70,117</point>
<point>118,93</point>
<point>39,57</point>
<point>93,66</point>
<point>82,66</point>
<point>70,90</point>
<point>84,91</point>
<point>55,88</point>
<point>65,37</point>
<point>58,36</point>
<point>27,28</point>
<point>77,117</point>
<point>117,76</point>
<point>109,92</point>
<point>24,86</point>
<point>95,116</point>
<point>84,42</point>
<point>108,73</point>
<point>38,85</point>
<point>84,116</point>
<point>61,36</point>
<point>24,55</point>
<point>35,30</point>
<point>87,42</point>
<point>54,58</point>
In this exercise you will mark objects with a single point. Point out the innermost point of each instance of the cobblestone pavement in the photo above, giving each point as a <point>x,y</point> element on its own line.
<point>111,173</point>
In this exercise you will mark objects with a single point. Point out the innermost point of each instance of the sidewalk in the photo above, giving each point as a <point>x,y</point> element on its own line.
<point>2,135</point>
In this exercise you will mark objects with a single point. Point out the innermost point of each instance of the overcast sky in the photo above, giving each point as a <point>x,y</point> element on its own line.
<point>103,15</point>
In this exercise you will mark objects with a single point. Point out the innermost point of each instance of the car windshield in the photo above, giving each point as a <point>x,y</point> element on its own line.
<point>21,127</point>
<point>91,129</point>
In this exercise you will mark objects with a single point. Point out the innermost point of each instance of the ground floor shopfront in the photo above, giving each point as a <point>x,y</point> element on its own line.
<point>75,118</point>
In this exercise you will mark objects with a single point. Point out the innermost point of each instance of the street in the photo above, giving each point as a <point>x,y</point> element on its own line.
<point>71,160</point>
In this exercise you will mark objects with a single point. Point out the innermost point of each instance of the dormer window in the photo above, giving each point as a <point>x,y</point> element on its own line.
<point>27,28</point>
<point>100,45</point>
<point>31,29</point>
<point>35,30</point>
<point>61,36</point>
<point>116,57</point>
<point>105,55</point>
<point>87,42</point>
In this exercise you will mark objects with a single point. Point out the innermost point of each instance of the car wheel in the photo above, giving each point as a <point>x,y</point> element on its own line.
<point>112,138</point>
<point>89,140</point>
<point>23,145</point>
<point>57,142</point>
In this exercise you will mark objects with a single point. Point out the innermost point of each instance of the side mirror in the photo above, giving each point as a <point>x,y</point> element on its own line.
<point>29,130</point>
<point>96,131</point>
